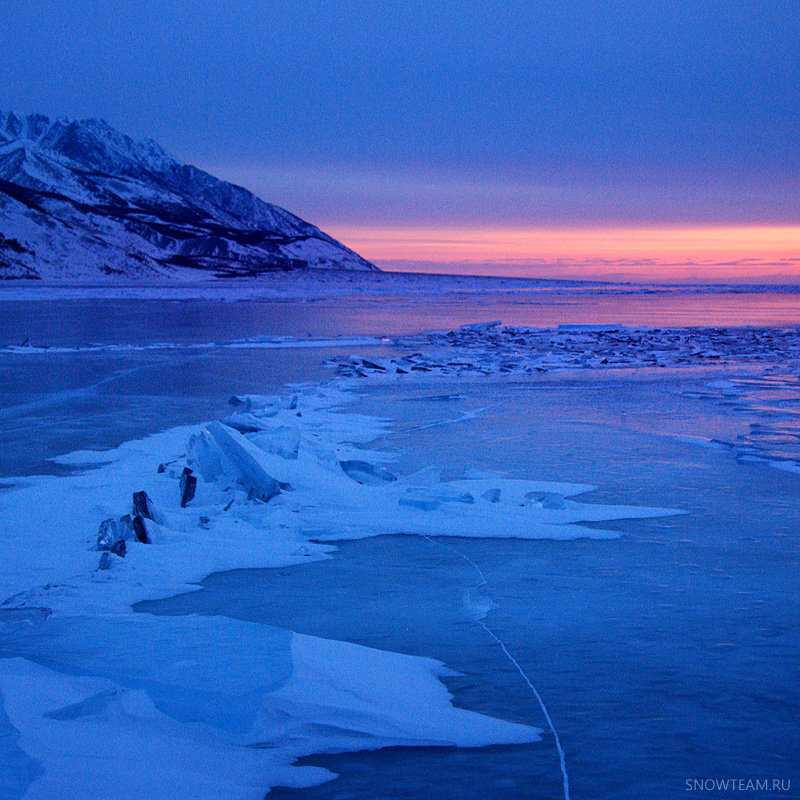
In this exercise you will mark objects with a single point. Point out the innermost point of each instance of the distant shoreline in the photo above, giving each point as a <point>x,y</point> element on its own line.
<point>329,284</point>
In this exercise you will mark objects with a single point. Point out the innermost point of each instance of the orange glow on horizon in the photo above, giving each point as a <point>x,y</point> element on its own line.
<point>654,253</point>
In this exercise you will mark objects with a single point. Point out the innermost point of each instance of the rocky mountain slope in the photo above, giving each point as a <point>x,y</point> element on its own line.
<point>80,201</point>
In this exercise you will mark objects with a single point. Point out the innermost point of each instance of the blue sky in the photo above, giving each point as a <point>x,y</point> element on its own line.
<point>447,113</point>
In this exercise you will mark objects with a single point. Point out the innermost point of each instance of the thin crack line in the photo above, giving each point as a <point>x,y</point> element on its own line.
<point>496,638</point>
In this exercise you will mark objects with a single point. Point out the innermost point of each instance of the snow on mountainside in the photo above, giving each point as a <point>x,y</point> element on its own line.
<point>80,201</point>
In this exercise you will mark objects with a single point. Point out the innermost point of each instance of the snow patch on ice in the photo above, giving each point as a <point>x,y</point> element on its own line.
<point>115,707</point>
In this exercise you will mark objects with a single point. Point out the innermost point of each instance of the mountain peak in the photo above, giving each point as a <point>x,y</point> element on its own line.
<point>80,199</point>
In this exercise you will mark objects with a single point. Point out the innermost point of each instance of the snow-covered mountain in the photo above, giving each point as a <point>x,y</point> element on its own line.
<point>80,201</point>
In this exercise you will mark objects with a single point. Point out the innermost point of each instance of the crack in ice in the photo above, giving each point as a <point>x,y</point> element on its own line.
<point>465,415</point>
<point>483,582</point>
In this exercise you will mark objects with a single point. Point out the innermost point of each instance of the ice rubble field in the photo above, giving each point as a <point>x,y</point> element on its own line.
<point>494,349</point>
<point>129,705</point>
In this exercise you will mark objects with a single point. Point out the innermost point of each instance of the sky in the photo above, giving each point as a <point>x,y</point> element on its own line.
<point>629,139</point>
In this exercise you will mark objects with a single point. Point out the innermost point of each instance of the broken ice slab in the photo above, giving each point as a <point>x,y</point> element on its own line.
<point>453,496</point>
<point>113,531</point>
<point>266,405</point>
<point>244,423</point>
<point>365,473</point>
<point>143,506</point>
<point>247,459</point>
<point>119,548</point>
<point>490,348</point>
<point>492,495</point>
<point>187,485</point>
<point>207,457</point>
<point>429,499</point>
<point>551,500</point>
<point>149,532</point>
<point>140,530</point>
<point>422,503</point>
<point>240,401</point>
<point>109,560</point>
<point>366,363</point>
<point>481,327</point>
<point>282,441</point>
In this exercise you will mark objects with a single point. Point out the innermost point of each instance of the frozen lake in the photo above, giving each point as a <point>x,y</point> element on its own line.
<point>667,654</point>
<point>192,321</point>
<point>116,386</point>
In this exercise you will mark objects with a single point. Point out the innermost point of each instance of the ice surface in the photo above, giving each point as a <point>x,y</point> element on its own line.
<point>107,679</point>
<point>175,660</point>
<point>626,639</point>
<point>133,705</point>
<point>394,697</point>
<point>364,472</point>
<point>62,515</point>
<point>111,679</point>
<point>126,748</point>
<point>775,399</point>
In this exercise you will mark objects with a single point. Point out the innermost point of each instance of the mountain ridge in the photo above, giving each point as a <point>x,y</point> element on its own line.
<point>80,200</point>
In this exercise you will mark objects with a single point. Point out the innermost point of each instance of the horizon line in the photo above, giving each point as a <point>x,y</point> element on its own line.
<point>613,252</point>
